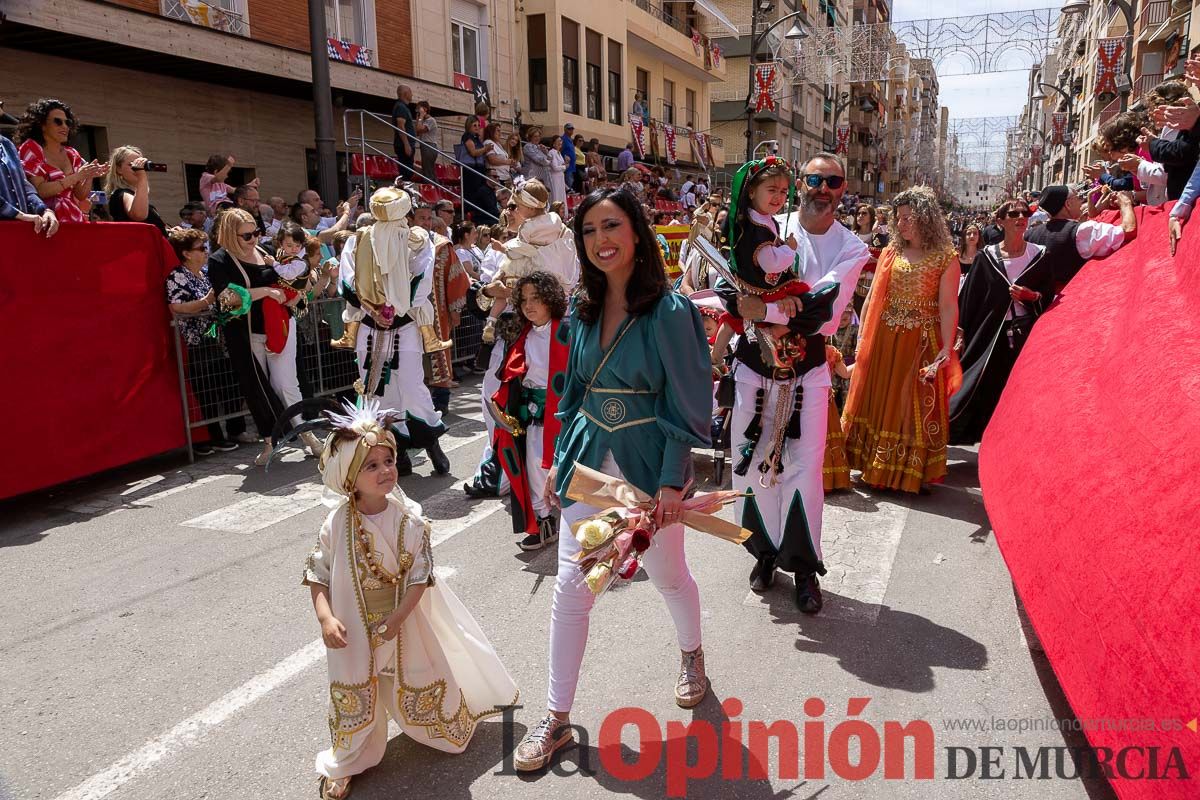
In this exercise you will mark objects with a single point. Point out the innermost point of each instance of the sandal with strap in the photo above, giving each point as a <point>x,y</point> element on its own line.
<point>333,788</point>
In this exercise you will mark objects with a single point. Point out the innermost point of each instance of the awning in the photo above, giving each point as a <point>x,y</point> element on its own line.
<point>712,12</point>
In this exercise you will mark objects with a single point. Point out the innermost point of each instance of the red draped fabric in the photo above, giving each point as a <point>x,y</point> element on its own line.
<point>1091,476</point>
<point>88,363</point>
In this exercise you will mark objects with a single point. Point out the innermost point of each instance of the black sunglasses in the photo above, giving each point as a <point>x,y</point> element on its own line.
<point>248,237</point>
<point>61,121</point>
<point>1014,214</point>
<point>812,180</point>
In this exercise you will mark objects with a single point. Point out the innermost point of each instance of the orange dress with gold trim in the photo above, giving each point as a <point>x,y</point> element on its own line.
<point>895,423</point>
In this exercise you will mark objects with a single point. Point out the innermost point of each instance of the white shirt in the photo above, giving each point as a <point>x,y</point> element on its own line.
<point>537,356</point>
<point>1153,177</point>
<point>1094,239</point>
<point>1013,267</point>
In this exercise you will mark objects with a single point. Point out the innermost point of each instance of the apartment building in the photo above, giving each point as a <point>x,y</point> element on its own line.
<point>802,122</point>
<point>184,79</point>
<point>585,63</point>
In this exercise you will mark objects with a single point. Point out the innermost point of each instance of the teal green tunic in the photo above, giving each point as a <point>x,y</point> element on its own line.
<point>649,405</point>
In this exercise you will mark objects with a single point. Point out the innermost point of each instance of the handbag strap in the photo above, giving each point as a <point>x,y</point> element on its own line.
<point>612,348</point>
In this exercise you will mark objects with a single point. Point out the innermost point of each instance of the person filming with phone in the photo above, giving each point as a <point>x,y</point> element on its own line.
<point>128,187</point>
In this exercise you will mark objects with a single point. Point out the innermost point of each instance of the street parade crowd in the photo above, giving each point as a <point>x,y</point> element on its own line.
<point>811,334</point>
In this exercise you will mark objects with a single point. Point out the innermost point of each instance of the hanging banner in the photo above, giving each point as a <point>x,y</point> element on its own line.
<point>716,55</point>
<point>639,135</point>
<point>1058,126</point>
<point>351,53</point>
<point>654,138</point>
<point>669,136</point>
<point>843,139</point>
<point>698,154</point>
<point>1037,153</point>
<point>764,77</point>
<point>697,41</point>
<point>1108,64</point>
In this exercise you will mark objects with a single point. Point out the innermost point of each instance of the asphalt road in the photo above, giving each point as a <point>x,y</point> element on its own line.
<point>157,643</point>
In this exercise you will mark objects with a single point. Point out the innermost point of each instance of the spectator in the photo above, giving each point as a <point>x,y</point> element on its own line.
<point>969,248</point>
<point>580,163</point>
<point>568,156</point>
<point>56,170</point>
<point>128,188</point>
<point>246,198</point>
<point>596,174</point>
<point>625,160</point>
<point>18,198</point>
<point>406,132</point>
<point>445,210</point>
<point>267,215</point>
<point>465,237</point>
<point>305,215</point>
<point>500,162</point>
<point>535,159</point>
<point>213,188</point>
<point>190,296</point>
<point>1069,243</point>
<point>1178,143</point>
<point>192,215</point>
<point>639,108</point>
<point>477,195</point>
<point>1123,138</point>
<point>558,170</point>
<point>426,128</point>
<point>364,220</point>
<point>482,112</point>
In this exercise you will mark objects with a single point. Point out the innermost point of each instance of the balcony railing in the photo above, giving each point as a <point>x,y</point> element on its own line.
<point>206,15</point>
<point>658,12</point>
<point>1145,83</point>
<point>1155,13</point>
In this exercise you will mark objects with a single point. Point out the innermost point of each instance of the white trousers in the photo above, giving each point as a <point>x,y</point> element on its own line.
<point>535,473</point>
<point>803,458</point>
<point>405,391</point>
<point>665,563</point>
<point>490,384</point>
<point>280,368</point>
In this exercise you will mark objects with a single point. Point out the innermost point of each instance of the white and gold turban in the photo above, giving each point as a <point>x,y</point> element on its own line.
<point>354,434</point>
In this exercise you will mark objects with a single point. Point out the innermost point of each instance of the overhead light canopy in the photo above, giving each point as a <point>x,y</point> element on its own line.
<point>710,10</point>
<point>796,33</point>
<point>1076,7</point>
<point>1038,96</point>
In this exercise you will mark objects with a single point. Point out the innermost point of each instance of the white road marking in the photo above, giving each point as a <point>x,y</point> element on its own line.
<point>114,506</point>
<point>858,550</point>
<point>193,729</point>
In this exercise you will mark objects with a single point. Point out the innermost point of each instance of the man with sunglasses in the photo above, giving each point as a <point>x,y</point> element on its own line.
<point>795,502</point>
<point>1069,243</point>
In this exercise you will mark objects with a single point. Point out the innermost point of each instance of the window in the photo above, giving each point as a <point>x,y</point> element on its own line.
<point>535,40</point>
<point>347,20</point>
<point>614,83</point>
<point>668,101</point>
<point>570,72</point>
<point>464,46</point>
<point>689,111</point>
<point>595,100</point>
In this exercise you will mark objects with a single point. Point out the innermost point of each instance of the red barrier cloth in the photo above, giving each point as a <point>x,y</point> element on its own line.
<point>88,363</point>
<point>1090,471</point>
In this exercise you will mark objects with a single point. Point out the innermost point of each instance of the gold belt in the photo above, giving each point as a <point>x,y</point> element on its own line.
<point>380,601</point>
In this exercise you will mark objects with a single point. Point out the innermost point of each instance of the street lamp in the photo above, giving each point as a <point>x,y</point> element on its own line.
<point>1129,10</point>
<point>794,33</point>
<point>1038,97</point>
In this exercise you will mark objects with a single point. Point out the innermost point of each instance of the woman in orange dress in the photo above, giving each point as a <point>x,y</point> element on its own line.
<point>836,472</point>
<point>905,370</point>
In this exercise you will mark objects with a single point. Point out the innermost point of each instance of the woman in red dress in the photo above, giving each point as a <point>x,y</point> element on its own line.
<point>57,171</point>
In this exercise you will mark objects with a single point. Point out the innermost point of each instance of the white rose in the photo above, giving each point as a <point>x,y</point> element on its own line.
<point>593,533</point>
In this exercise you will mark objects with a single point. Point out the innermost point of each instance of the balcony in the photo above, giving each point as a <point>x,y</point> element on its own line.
<point>669,38</point>
<point>1153,15</point>
<point>205,15</point>
<point>1144,84</point>
<point>1106,114</point>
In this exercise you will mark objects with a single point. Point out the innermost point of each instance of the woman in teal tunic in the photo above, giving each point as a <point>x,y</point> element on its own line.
<point>637,398</point>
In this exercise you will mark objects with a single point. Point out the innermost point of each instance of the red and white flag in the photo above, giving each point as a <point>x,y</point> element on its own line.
<point>843,139</point>
<point>1108,63</point>
<point>700,156</point>
<point>764,77</point>
<point>669,135</point>
<point>639,135</point>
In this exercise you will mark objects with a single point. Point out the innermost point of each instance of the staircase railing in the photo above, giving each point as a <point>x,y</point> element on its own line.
<point>355,139</point>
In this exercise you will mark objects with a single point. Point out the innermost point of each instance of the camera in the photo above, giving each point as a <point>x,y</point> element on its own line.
<point>152,166</point>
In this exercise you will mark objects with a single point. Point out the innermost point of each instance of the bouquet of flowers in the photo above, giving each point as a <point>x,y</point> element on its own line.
<point>613,540</point>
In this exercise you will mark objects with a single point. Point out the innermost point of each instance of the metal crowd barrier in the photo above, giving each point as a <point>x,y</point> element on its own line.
<point>209,387</point>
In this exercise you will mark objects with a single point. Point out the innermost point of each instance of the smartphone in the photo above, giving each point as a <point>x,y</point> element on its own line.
<point>97,198</point>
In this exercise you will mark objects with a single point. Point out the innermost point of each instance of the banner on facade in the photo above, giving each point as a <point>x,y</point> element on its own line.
<point>639,135</point>
<point>669,136</point>
<point>1058,126</point>
<point>716,55</point>
<point>351,53</point>
<point>764,79</point>
<point>698,153</point>
<point>697,42</point>
<point>843,139</point>
<point>1108,64</point>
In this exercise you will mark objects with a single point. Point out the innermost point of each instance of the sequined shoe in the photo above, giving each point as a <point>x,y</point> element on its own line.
<point>692,684</point>
<point>538,747</point>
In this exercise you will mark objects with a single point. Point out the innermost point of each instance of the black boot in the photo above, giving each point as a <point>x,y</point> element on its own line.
<point>403,462</point>
<point>808,593</point>
<point>439,460</point>
<point>763,574</point>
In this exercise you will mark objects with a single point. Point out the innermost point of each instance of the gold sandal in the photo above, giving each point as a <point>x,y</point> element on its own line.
<point>333,788</point>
